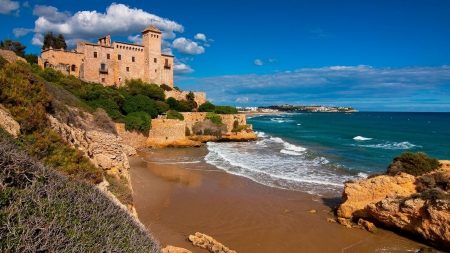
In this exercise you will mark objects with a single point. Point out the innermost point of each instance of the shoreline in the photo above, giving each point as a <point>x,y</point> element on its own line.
<point>175,200</point>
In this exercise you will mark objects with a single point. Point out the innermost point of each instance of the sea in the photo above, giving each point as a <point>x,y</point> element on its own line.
<point>318,152</point>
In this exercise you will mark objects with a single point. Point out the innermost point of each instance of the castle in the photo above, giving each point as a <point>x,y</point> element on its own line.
<point>112,64</point>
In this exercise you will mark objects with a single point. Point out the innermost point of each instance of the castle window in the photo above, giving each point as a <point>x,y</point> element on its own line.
<point>154,60</point>
<point>73,68</point>
<point>117,46</point>
<point>95,54</point>
<point>108,56</point>
<point>133,59</point>
<point>119,57</point>
<point>155,70</point>
<point>120,79</point>
<point>128,69</point>
<point>103,66</point>
<point>103,80</point>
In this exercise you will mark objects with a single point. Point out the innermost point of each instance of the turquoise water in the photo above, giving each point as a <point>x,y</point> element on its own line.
<point>318,152</point>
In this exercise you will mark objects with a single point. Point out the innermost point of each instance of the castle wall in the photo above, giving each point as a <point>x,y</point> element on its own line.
<point>55,57</point>
<point>193,117</point>
<point>136,139</point>
<point>228,120</point>
<point>126,68</point>
<point>94,56</point>
<point>166,130</point>
<point>200,97</point>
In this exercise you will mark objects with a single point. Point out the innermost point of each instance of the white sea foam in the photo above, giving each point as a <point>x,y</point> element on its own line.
<point>299,124</point>
<point>260,134</point>
<point>265,162</point>
<point>360,138</point>
<point>391,145</point>
<point>363,175</point>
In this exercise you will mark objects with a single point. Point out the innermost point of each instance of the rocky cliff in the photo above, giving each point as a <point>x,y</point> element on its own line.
<point>393,201</point>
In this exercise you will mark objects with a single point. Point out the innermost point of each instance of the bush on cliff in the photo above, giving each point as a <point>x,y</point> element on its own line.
<point>43,211</point>
<point>172,114</point>
<point>137,86</point>
<point>28,100</point>
<point>165,87</point>
<point>206,107</point>
<point>137,120</point>
<point>140,103</point>
<point>225,110</point>
<point>414,164</point>
<point>216,119</point>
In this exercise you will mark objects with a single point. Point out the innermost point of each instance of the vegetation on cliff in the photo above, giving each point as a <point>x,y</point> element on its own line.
<point>209,107</point>
<point>44,211</point>
<point>28,100</point>
<point>414,164</point>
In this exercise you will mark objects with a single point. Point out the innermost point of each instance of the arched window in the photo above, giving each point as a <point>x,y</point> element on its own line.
<point>73,67</point>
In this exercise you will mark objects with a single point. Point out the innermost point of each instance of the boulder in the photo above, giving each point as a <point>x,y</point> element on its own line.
<point>173,249</point>
<point>207,242</point>
<point>369,226</point>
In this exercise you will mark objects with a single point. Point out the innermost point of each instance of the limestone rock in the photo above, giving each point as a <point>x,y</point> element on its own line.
<point>103,161</point>
<point>10,56</point>
<point>369,226</point>
<point>345,222</point>
<point>358,195</point>
<point>8,123</point>
<point>207,242</point>
<point>173,249</point>
<point>331,220</point>
<point>312,211</point>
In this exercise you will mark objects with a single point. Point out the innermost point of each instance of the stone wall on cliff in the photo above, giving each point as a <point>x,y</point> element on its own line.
<point>134,138</point>
<point>200,97</point>
<point>166,130</point>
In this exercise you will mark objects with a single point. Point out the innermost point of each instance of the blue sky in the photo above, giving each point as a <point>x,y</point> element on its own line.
<point>374,55</point>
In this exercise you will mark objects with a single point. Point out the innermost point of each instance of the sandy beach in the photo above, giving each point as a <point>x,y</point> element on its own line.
<point>175,200</point>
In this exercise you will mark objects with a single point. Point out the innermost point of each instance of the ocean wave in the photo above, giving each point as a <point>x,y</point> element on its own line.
<point>260,134</point>
<point>289,152</point>
<point>391,145</point>
<point>360,138</point>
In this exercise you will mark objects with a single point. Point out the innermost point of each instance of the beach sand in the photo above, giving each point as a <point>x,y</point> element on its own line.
<point>176,200</point>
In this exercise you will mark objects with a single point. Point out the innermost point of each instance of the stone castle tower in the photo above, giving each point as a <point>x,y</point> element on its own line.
<point>112,64</point>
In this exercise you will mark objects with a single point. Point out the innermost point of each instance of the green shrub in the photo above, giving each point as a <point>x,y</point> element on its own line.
<point>166,87</point>
<point>137,120</point>
<point>137,86</point>
<point>108,105</point>
<point>185,105</point>
<point>172,114</point>
<point>216,119</point>
<point>225,110</point>
<point>3,62</point>
<point>176,88</point>
<point>140,103</point>
<point>119,188</point>
<point>104,122</point>
<point>206,107</point>
<point>414,164</point>
<point>434,194</point>
<point>187,132</point>
<point>51,75</point>
<point>162,107</point>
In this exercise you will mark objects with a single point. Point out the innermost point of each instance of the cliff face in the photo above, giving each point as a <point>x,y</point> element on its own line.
<point>387,200</point>
<point>105,150</point>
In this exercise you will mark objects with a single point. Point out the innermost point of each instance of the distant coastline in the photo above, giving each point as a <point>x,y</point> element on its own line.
<point>275,109</point>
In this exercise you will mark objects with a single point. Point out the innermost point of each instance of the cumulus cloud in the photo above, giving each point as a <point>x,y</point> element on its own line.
<point>200,36</point>
<point>186,46</point>
<point>6,6</point>
<point>136,39</point>
<point>26,4</point>
<point>258,62</point>
<point>363,87</point>
<point>181,69</point>
<point>118,20</point>
<point>273,60</point>
<point>242,100</point>
<point>19,32</point>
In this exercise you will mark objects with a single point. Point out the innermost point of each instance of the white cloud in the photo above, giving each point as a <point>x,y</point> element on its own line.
<point>258,62</point>
<point>365,87</point>
<point>200,36</point>
<point>242,100</point>
<point>206,45</point>
<point>118,20</point>
<point>19,32</point>
<point>6,6</point>
<point>273,60</point>
<point>185,46</point>
<point>181,69</point>
<point>136,39</point>
<point>38,39</point>
<point>26,4</point>
<point>50,13</point>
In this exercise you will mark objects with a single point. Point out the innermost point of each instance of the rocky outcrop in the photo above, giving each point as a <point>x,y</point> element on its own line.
<point>10,56</point>
<point>392,202</point>
<point>105,150</point>
<point>207,242</point>
<point>357,196</point>
<point>173,249</point>
<point>8,123</point>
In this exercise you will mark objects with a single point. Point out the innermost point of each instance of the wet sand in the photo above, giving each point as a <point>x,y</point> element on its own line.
<point>176,200</point>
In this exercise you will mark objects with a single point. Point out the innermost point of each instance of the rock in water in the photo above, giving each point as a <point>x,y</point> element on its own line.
<point>207,242</point>
<point>173,249</point>
<point>369,226</point>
